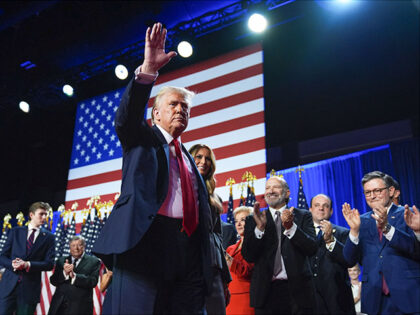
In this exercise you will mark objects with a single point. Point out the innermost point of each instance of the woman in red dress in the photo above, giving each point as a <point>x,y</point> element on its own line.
<point>239,269</point>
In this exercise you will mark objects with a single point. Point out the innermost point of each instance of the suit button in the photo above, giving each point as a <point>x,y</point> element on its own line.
<point>381,256</point>
<point>316,257</point>
<point>151,217</point>
<point>315,274</point>
<point>315,265</point>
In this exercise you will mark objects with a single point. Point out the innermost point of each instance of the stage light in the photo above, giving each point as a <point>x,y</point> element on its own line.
<point>344,1</point>
<point>257,23</point>
<point>121,72</point>
<point>24,107</point>
<point>68,90</point>
<point>185,49</point>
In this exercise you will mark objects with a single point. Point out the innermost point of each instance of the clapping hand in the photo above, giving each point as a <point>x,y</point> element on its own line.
<point>412,218</point>
<point>380,214</point>
<point>352,217</point>
<point>287,218</point>
<point>260,218</point>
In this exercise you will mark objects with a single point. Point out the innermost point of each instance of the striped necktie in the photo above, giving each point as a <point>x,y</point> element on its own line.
<point>30,241</point>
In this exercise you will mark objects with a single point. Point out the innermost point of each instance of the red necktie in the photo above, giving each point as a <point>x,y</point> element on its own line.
<point>385,289</point>
<point>190,217</point>
<point>30,241</point>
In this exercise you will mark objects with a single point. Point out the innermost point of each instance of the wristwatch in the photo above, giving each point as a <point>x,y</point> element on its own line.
<point>386,228</point>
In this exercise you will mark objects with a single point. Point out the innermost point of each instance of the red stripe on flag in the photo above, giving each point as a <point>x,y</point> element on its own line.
<point>82,202</point>
<point>209,64</point>
<point>225,102</point>
<point>257,170</point>
<point>99,299</point>
<point>227,79</point>
<point>239,148</point>
<point>94,179</point>
<point>223,127</point>
<point>228,101</point>
<point>47,286</point>
<point>221,80</point>
<point>41,304</point>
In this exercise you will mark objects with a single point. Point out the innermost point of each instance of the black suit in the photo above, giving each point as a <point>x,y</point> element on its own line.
<point>295,252</point>
<point>333,288</point>
<point>74,298</point>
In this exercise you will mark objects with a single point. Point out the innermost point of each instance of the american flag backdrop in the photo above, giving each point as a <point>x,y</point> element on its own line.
<point>227,114</point>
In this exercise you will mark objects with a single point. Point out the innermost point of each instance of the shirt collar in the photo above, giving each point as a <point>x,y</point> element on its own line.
<point>273,211</point>
<point>31,227</point>
<point>78,259</point>
<point>167,135</point>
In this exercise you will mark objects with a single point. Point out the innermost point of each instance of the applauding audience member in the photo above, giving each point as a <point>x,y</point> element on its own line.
<point>386,247</point>
<point>240,269</point>
<point>333,291</point>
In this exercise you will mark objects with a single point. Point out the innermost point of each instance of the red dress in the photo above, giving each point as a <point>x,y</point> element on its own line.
<point>241,280</point>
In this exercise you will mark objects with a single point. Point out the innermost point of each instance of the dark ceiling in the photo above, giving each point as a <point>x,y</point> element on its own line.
<point>326,72</point>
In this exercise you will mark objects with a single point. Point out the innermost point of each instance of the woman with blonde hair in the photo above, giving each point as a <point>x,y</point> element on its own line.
<point>217,300</point>
<point>240,269</point>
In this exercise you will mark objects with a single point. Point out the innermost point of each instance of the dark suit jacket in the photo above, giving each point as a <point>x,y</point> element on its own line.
<point>295,252</point>
<point>41,258</point>
<point>229,234</point>
<point>397,260</point>
<point>78,296</point>
<point>145,177</point>
<point>333,288</point>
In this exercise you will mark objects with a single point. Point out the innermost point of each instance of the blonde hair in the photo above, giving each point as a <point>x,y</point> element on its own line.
<point>186,94</point>
<point>240,209</point>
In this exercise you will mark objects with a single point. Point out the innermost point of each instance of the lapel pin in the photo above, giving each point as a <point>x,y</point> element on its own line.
<point>392,217</point>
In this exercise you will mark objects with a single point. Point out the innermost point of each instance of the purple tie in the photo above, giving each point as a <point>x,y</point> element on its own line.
<point>30,241</point>
<point>385,288</point>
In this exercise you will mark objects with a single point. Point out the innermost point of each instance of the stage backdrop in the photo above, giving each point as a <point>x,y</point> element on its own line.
<point>227,115</point>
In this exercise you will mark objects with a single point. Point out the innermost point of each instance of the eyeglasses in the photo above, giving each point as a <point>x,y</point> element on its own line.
<point>376,191</point>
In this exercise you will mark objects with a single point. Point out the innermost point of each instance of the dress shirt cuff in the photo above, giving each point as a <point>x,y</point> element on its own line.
<point>354,240</point>
<point>390,233</point>
<point>29,266</point>
<point>290,232</point>
<point>258,234</point>
<point>417,235</point>
<point>73,279</point>
<point>331,245</point>
<point>144,78</point>
<point>66,277</point>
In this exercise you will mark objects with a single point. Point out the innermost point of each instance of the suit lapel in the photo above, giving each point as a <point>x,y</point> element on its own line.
<point>39,241</point>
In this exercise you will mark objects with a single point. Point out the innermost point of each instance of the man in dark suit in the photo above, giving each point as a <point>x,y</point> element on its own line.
<point>333,289</point>
<point>279,241</point>
<point>28,251</point>
<point>156,239</point>
<point>74,278</point>
<point>381,241</point>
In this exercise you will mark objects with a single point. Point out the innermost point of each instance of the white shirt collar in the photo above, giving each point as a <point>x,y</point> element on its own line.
<point>273,211</point>
<point>31,227</point>
<point>167,135</point>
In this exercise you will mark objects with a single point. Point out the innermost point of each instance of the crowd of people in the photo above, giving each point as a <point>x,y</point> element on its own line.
<point>175,255</point>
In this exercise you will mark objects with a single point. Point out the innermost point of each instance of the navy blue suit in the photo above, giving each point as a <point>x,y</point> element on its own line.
<point>41,258</point>
<point>396,259</point>
<point>144,188</point>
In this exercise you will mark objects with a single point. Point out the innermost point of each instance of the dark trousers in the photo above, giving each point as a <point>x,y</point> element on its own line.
<point>278,300</point>
<point>162,274</point>
<point>14,302</point>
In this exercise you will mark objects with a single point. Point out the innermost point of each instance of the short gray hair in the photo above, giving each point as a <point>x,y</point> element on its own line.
<point>78,238</point>
<point>187,94</point>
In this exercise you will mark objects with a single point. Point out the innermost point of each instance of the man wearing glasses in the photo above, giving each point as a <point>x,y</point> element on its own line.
<point>385,246</point>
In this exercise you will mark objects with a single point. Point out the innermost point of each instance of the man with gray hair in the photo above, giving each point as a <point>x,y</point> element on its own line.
<point>381,241</point>
<point>156,240</point>
<point>74,278</point>
<point>279,241</point>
